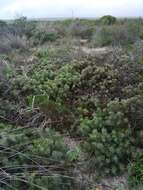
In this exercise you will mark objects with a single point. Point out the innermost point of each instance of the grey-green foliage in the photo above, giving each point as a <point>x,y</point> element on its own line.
<point>121,34</point>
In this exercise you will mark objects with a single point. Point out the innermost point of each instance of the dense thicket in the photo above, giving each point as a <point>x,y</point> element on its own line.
<point>51,93</point>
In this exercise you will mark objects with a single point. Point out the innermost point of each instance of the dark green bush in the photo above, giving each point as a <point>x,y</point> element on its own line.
<point>23,26</point>
<point>135,177</point>
<point>3,23</point>
<point>33,159</point>
<point>102,37</point>
<point>108,146</point>
<point>114,135</point>
<point>81,31</point>
<point>108,20</point>
<point>42,37</point>
<point>115,35</point>
<point>110,152</point>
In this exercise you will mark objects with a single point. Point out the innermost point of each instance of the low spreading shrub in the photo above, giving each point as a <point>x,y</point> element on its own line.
<point>33,159</point>
<point>113,138</point>
<point>117,35</point>
<point>135,177</point>
<point>77,29</point>
<point>42,37</point>
<point>110,152</point>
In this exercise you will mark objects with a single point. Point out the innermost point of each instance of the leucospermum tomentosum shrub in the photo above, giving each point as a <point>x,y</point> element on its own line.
<point>77,85</point>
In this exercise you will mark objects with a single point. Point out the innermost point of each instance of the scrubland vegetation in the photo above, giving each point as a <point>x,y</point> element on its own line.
<point>71,104</point>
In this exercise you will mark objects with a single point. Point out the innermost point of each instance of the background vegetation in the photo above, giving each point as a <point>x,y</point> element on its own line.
<point>71,104</point>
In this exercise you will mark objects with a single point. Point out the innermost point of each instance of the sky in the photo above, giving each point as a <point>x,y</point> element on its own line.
<point>66,8</point>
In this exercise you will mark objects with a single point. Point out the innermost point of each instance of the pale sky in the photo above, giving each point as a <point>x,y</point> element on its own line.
<point>64,8</point>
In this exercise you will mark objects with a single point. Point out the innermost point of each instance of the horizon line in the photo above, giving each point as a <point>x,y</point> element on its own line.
<point>69,17</point>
